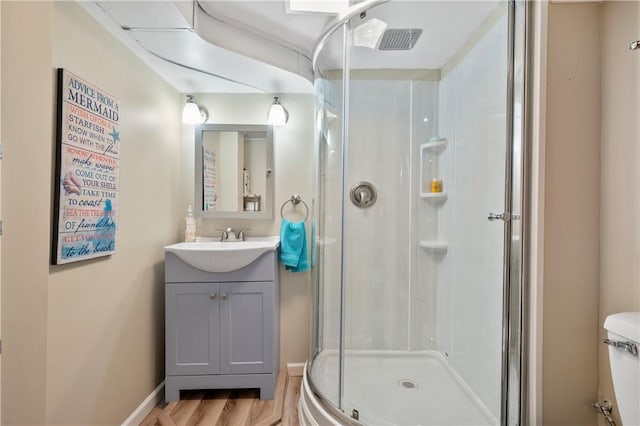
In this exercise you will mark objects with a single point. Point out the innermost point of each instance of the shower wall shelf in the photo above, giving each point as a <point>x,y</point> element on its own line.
<point>440,247</point>
<point>436,145</point>
<point>435,195</point>
<point>433,167</point>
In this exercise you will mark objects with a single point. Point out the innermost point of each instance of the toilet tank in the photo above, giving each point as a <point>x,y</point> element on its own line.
<point>624,342</point>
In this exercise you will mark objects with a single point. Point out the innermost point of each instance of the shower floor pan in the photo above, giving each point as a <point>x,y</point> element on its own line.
<point>394,388</point>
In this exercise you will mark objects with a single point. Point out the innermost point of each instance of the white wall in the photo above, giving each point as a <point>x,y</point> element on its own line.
<point>470,285</point>
<point>425,218</point>
<point>293,165</point>
<point>83,343</point>
<point>378,249</point>
<point>386,128</point>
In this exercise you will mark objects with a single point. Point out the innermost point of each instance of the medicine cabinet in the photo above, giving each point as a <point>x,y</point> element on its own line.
<point>234,176</point>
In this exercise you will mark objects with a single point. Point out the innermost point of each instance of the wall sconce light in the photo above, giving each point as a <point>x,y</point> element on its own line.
<point>278,115</point>
<point>192,113</point>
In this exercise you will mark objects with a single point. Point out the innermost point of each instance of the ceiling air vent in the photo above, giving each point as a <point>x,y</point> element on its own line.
<point>399,39</point>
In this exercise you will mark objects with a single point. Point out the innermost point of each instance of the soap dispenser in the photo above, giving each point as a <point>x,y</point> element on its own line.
<point>190,226</point>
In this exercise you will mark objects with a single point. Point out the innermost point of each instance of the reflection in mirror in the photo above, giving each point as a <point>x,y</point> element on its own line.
<point>234,177</point>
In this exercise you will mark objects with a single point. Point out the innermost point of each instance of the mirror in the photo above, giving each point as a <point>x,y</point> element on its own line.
<point>234,171</point>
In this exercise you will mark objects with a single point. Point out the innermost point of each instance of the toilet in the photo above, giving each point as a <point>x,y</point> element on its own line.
<point>624,343</point>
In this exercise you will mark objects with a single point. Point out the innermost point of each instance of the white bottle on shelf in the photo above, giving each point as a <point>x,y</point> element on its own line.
<point>190,226</point>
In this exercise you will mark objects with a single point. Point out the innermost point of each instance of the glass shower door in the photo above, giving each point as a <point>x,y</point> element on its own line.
<point>422,266</point>
<point>417,271</point>
<point>327,267</point>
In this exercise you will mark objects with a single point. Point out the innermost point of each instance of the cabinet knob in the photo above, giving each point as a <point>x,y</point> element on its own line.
<point>223,296</point>
<point>212,296</point>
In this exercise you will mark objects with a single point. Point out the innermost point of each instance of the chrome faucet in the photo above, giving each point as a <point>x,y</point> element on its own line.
<point>230,234</point>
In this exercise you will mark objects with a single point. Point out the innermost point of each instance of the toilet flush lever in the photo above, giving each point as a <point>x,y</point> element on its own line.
<point>625,346</point>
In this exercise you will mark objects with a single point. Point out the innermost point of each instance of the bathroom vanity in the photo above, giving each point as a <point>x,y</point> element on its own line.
<point>222,328</point>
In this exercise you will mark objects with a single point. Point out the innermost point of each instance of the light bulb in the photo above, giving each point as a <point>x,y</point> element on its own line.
<point>278,115</point>
<point>192,113</point>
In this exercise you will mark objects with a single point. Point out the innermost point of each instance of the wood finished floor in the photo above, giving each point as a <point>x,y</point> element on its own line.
<point>239,407</point>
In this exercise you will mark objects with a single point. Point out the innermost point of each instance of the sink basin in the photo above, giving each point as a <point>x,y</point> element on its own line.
<point>223,256</point>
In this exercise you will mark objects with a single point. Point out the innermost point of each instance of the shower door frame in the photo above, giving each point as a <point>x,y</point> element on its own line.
<point>514,389</point>
<point>516,262</point>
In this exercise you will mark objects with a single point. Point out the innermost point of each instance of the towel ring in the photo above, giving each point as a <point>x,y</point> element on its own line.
<point>295,200</point>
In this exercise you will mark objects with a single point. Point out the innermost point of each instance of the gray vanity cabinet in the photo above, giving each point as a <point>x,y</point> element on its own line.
<point>192,329</point>
<point>222,329</point>
<point>246,328</point>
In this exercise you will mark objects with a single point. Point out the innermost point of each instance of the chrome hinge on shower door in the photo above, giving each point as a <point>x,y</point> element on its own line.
<point>355,414</point>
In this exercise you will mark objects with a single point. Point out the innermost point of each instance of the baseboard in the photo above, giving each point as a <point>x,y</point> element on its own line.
<point>295,369</point>
<point>150,402</point>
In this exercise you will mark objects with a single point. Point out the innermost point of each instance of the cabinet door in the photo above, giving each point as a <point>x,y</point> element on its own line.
<point>246,328</point>
<point>192,328</point>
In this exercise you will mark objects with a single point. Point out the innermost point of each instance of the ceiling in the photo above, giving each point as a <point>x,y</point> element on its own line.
<point>259,46</point>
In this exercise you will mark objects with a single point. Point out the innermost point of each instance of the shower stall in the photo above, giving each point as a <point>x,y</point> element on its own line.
<point>416,239</point>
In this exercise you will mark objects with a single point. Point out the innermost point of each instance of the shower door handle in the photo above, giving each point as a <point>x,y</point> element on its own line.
<point>506,217</point>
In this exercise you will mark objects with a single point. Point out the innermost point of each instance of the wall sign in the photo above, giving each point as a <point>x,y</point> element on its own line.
<point>87,170</point>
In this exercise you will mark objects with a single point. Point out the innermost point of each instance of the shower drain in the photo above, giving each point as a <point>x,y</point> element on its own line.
<point>407,384</point>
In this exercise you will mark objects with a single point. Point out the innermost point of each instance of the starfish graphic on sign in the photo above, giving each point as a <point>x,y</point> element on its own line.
<point>115,135</point>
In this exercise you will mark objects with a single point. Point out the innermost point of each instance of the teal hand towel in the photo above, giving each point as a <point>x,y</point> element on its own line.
<point>293,246</point>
